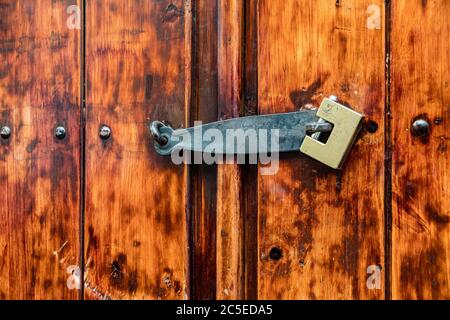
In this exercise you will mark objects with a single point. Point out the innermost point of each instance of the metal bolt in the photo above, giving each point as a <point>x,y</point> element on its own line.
<point>5,132</point>
<point>60,132</point>
<point>420,128</point>
<point>105,132</point>
<point>319,126</point>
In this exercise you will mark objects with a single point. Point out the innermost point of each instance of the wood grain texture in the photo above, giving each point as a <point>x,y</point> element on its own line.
<point>203,189</point>
<point>249,176</point>
<point>39,175</point>
<point>153,230</point>
<point>230,220</point>
<point>319,230</point>
<point>421,166</point>
<point>138,70</point>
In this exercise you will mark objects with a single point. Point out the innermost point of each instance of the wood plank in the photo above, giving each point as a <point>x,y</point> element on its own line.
<point>219,60</point>
<point>320,230</point>
<point>138,70</point>
<point>421,166</point>
<point>204,178</point>
<point>250,171</point>
<point>39,174</point>
<point>230,219</point>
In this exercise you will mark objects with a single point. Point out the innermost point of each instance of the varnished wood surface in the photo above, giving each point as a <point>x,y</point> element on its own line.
<point>39,174</point>
<point>421,165</point>
<point>230,229</point>
<point>320,230</point>
<point>203,189</point>
<point>137,71</point>
<point>140,227</point>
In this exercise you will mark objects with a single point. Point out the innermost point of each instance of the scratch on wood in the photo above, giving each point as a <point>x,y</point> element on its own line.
<point>56,253</point>
<point>96,292</point>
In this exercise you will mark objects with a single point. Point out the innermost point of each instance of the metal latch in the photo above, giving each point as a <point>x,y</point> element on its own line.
<point>326,135</point>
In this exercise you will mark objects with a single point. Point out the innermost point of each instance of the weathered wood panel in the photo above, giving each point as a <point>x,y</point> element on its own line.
<point>138,70</point>
<point>316,232</point>
<point>250,171</point>
<point>320,230</point>
<point>421,165</point>
<point>203,189</point>
<point>230,229</point>
<point>39,174</point>
<point>237,184</point>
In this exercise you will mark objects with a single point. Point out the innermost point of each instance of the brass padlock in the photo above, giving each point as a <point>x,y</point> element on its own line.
<point>346,125</point>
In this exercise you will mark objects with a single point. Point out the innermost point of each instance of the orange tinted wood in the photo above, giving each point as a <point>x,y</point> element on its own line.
<point>39,174</point>
<point>421,166</point>
<point>250,171</point>
<point>319,230</point>
<point>230,229</point>
<point>230,259</point>
<point>203,189</point>
<point>138,70</point>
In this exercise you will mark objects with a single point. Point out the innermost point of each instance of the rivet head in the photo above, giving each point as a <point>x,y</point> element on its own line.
<point>60,132</point>
<point>420,128</point>
<point>105,132</point>
<point>5,132</point>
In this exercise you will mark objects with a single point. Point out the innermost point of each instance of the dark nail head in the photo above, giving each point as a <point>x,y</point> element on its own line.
<point>60,132</point>
<point>5,132</point>
<point>105,132</point>
<point>420,128</point>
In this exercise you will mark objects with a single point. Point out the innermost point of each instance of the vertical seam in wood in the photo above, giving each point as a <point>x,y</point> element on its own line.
<point>388,158</point>
<point>249,173</point>
<point>242,168</point>
<point>82,142</point>
<point>189,182</point>
<point>191,187</point>
<point>189,105</point>
<point>231,74</point>
<point>203,178</point>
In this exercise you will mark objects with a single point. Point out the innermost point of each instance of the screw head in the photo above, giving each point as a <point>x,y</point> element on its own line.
<point>420,128</point>
<point>60,132</point>
<point>5,132</point>
<point>105,132</point>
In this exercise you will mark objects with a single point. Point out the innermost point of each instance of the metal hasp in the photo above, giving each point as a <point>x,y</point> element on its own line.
<point>346,127</point>
<point>290,130</point>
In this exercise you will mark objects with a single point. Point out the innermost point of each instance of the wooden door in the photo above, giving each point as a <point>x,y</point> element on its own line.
<point>96,213</point>
<point>40,213</point>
